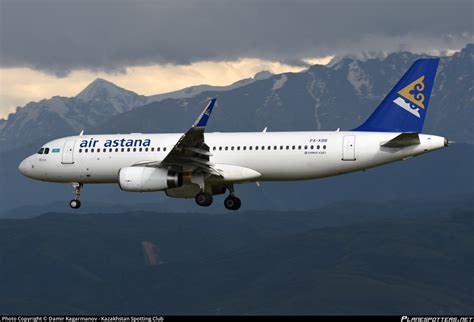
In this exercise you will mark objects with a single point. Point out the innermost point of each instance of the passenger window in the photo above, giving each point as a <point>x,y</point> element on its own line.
<point>140,150</point>
<point>128,149</point>
<point>299,147</point>
<point>293,147</point>
<point>275,147</point>
<point>80,150</point>
<point>226,148</point>
<point>98,150</point>
<point>269,147</point>
<point>238,148</point>
<point>312,147</point>
<point>86,150</point>
<point>220,148</point>
<point>287,147</point>
<point>152,149</point>
<point>324,147</point>
<point>134,149</point>
<point>250,147</point>
<point>306,147</point>
<point>263,147</point>
<point>317,147</point>
<point>281,147</point>
<point>232,148</point>
<point>164,149</point>
<point>146,149</point>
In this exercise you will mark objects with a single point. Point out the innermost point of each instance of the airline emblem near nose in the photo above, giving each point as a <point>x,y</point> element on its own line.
<point>411,97</point>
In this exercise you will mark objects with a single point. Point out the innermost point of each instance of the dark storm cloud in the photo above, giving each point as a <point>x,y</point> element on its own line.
<point>59,36</point>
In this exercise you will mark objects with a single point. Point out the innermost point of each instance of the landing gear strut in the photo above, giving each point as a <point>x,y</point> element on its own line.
<point>76,203</point>
<point>232,202</point>
<point>204,199</point>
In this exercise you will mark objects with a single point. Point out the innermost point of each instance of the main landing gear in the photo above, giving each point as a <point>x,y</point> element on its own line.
<point>204,199</point>
<point>232,202</point>
<point>76,203</point>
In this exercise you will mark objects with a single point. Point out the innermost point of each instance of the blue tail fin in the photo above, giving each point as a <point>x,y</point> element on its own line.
<point>404,108</point>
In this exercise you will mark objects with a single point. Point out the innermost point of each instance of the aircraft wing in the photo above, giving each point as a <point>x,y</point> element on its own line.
<point>190,153</point>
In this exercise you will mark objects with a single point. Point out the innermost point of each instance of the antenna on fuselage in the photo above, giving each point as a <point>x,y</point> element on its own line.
<point>82,132</point>
<point>265,130</point>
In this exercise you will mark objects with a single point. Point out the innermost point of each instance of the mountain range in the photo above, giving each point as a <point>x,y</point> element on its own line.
<point>339,95</point>
<point>92,107</point>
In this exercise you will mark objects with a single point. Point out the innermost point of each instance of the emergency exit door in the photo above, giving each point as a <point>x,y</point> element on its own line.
<point>348,148</point>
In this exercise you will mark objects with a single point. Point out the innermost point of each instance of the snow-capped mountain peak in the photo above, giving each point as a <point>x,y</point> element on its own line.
<point>101,88</point>
<point>264,74</point>
<point>102,92</point>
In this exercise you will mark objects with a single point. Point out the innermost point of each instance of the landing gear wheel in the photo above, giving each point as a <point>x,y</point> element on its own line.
<point>204,199</point>
<point>232,203</point>
<point>75,204</point>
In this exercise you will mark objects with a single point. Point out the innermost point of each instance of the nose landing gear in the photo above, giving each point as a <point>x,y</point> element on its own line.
<point>76,203</point>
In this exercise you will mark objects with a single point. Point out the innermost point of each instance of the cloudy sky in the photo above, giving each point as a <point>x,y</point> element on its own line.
<point>57,47</point>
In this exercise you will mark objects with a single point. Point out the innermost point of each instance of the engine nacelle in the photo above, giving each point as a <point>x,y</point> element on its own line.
<point>143,179</point>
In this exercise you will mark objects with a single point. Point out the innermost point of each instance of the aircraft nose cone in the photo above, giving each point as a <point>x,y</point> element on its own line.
<point>25,167</point>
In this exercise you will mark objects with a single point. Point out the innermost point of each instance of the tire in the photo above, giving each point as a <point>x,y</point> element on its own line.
<point>204,199</point>
<point>232,203</point>
<point>75,204</point>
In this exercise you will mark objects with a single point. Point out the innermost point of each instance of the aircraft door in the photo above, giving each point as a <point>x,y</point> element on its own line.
<point>68,151</point>
<point>348,148</point>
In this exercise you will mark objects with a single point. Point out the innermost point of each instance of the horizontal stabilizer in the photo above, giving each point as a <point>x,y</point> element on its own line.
<point>402,140</point>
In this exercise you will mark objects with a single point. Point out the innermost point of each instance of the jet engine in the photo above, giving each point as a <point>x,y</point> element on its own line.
<point>143,179</point>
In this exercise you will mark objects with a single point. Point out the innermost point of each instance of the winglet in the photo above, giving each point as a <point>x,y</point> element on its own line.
<point>201,121</point>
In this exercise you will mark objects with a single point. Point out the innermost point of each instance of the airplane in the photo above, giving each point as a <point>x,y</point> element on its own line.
<point>201,165</point>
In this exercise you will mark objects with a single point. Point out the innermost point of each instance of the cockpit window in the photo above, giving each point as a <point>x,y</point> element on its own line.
<point>46,151</point>
<point>41,151</point>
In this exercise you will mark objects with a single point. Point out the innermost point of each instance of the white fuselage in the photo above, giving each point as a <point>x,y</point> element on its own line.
<point>274,155</point>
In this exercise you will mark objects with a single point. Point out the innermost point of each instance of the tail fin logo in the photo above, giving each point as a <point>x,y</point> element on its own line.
<point>412,97</point>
